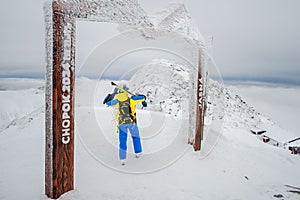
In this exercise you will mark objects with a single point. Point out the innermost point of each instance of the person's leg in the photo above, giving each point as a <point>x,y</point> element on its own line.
<point>122,142</point>
<point>135,138</point>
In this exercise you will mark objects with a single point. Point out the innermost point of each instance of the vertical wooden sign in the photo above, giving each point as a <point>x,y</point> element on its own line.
<point>60,136</point>
<point>199,110</point>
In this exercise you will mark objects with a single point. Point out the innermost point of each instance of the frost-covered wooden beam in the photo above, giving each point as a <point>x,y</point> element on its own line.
<point>117,11</point>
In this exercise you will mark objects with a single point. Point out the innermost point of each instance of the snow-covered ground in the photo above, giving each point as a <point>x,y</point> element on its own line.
<point>239,167</point>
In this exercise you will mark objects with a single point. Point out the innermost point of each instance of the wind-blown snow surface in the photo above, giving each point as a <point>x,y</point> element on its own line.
<point>239,167</point>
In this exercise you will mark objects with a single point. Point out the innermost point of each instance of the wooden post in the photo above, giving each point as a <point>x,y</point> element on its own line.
<point>59,169</point>
<point>199,110</point>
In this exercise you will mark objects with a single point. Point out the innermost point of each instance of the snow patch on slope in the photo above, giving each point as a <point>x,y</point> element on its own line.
<point>240,115</point>
<point>237,112</point>
<point>19,98</point>
<point>166,86</point>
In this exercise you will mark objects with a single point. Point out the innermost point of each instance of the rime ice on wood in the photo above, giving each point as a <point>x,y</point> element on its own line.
<point>48,92</point>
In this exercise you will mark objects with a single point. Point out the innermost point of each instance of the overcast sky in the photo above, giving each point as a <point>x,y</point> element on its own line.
<point>254,39</point>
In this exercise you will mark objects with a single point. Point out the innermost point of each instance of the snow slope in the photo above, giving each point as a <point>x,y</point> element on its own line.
<point>19,97</point>
<point>274,102</point>
<point>166,86</point>
<point>239,167</point>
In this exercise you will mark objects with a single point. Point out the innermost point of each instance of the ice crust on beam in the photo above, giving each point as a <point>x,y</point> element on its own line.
<point>49,81</point>
<point>128,12</point>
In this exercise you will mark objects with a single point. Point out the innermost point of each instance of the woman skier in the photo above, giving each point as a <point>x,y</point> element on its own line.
<point>126,108</point>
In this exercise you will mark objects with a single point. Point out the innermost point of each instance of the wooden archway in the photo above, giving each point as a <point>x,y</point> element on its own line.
<point>61,18</point>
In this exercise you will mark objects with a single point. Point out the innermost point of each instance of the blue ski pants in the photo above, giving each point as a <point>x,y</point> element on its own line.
<point>134,131</point>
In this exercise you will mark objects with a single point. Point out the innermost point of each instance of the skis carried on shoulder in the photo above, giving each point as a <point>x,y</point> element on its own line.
<point>120,88</point>
<point>131,93</point>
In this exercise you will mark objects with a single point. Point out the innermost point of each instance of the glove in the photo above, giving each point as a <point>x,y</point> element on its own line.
<point>144,103</point>
<point>116,90</point>
<point>108,98</point>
